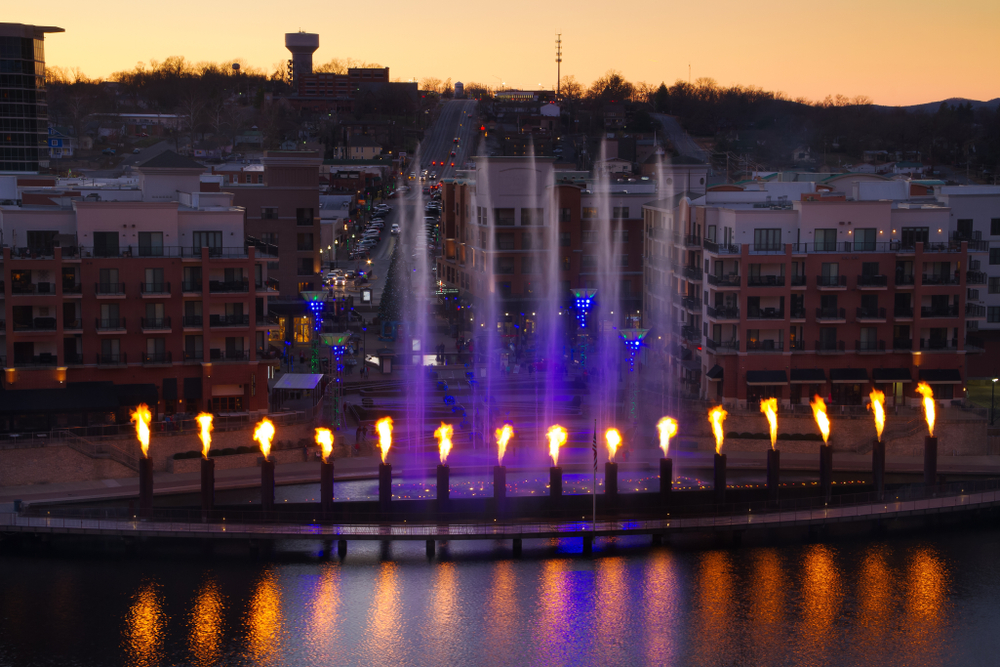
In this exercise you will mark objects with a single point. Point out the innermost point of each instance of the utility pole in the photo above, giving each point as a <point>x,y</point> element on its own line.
<point>558,63</point>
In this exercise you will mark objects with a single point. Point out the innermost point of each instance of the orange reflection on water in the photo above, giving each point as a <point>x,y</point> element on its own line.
<point>383,642</point>
<point>145,625</point>
<point>611,592</point>
<point>925,598</point>
<point>713,613</point>
<point>206,625</point>
<point>502,608</point>
<point>445,622</point>
<point>768,595</point>
<point>322,635</point>
<point>264,621</point>
<point>554,604</point>
<point>821,597</point>
<point>875,596</point>
<point>662,595</point>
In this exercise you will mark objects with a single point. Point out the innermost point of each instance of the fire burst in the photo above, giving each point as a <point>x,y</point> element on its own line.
<point>668,429</point>
<point>141,416</point>
<point>925,390</point>
<point>716,416</point>
<point>503,437</point>
<point>769,407</point>
<point>819,412</point>
<point>324,438</point>
<point>384,428</point>
<point>205,422</point>
<point>263,434</point>
<point>614,439</point>
<point>878,409</point>
<point>557,438</point>
<point>443,434</point>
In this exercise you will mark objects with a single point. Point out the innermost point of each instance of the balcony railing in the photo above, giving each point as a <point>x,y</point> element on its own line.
<point>192,320</point>
<point>798,281</point>
<point>721,248</point>
<point>723,313</point>
<point>871,313</point>
<point>902,311</point>
<point>940,279</point>
<point>765,314</point>
<point>830,346</point>
<point>72,288</point>
<point>267,320</point>
<point>691,333</point>
<point>691,303</point>
<point>191,286</point>
<point>43,360</point>
<point>974,344</point>
<point>155,322</point>
<point>723,347</point>
<point>36,324</point>
<point>112,359</point>
<point>873,281</point>
<point>162,251</point>
<point>831,314</point>
<point>869,346</point>
<point>765,281</point>
<point>975,278</point>
<point>902,344</point>
<point>765,346</point>
<point>194,355</point>
<point>115,289</point>
<point>797,345</point>
<point>939,311</point>
<point>229,286</point>
<point>157,358</point>
<point>975,310</point>
<point>33,288</point>
<point>154,288</point>
<point>73,359</point>
<point>72,325</point>
<point>111,325</point>
<point>831,281</point>
<point>692,272</point>
<point>904,280</point>
<point>767,249</point>
<point>228,320</point>
<point>731,280</point>
<point>229,355</point>
<point>938,343</point>
<point>798,313</point>
<point>692,241</point>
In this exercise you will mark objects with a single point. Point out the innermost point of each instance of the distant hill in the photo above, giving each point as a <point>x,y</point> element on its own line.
<point>932,107</point>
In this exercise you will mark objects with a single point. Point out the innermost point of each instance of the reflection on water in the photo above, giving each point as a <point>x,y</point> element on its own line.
<point>264,621</point>
<point>553,607</point>
<point>610,589</point>
<point>713,606</point>
<point>382,643</point>
<point>322,633</point>
<point>926,606</point>
<point>663,599</point>
<point>207,623</point>
<point>821,598</point>
<point>145,624</point>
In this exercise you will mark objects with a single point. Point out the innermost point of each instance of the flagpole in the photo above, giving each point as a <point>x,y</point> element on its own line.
<point>593,525</point>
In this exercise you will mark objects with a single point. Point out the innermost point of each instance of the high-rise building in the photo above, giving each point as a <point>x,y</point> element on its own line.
<point>23,108</point>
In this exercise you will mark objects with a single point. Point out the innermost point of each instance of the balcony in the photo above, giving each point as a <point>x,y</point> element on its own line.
<point>756,346</point>
<point>765,281</point>
<point>228,286</point>
<point>871,314</point>
<point>904,281</point>
<point>974,344</point>
<point>975,278</point>
<point>939,311</point>
<point>192,320</point>
<point>72,289</point>
<point>155,323</point>
<point>975,310</point>
<point>33,288</point>
<point>766,314</point>
<point>229,320</point>
<point>267,321</point>
<point>228,356</point>
<point>902,344</point>
<point>869,346</point>
<point>73,359</point>
<point>149,289</point>
<point>36,324</point>
<point>723,313</point>
<point>939,344</point>
<point>940,279</point>
<point>831,281</point>
<point>154,358</point>
<point>192,356</point>
<point>721,248</point>
<point>691,334</point>
<point>797,345</point>
<point>902,311</point>
<point>873,282</point>
<point>692,273</point>
<point>691,303</point>
<point>767,249</point>
<point>692,241</point>
<point>798,281</point>
<point>44,360</point>
<point>111,325</point>
<point>847,246</point>
<point>112,359</point>
<point>191,286</point>
<point>831,314</point>
<point>109,289</point>
<point>723,347</point>
<point>830,346</point>
<point>731,280</point>
<point>73,325</point>
<point>938,246</point>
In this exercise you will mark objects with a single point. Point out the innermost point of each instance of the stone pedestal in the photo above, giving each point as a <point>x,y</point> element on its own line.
<point>930,460</point>
<point>145,487</point>
<point>207,485</point>
<point>326,487</point>
<point>773,473</point>
<point>267,486</point>
<point>720,478</point>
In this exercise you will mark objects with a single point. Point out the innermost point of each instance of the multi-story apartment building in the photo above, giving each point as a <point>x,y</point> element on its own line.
<point>810,293</point>
<point>152,287</point>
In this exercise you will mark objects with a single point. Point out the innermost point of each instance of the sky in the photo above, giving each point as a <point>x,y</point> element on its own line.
<point>892,51</point>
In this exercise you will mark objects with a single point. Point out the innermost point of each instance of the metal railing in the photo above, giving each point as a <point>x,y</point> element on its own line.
<point>724,346</point>
<point>73,359</point>
<point>163,251</point>
<point>732,280</point>
<point>44,360</point>
<point>863,313</point>
<point>975,310</point>
<point>831,313</point>
<point>904,280</point>
<point>229,355</point>
<point>721,248</point>
<point>115,289</point>
<point>72,288</point>
<point>36,324</point>
<point>690,240</point>
<point>691,333</point>
<point>765,346</point>
<point>940,279</point>
<point>692,272</point>
<point>765,314</point>
<point>155,322</point>
<point>110,325</point>
<point>191,286</point>
<point>873,281</point>
<point>975,278</point>
<point>112,359</point>
<point>902,311</point>
<point>869,346</point>
<point>765,281</point>
<point>228,320</point>
<point>831,281</point>
<point>798,281</point>
<point>229,286</point>
<point>192,320</point>
<point>154,288</point>
<point>938,343</point>
<point>902,344</point>
<point>798,313</point>
<point>939,311</point>
<point>157,358</point>
<point>33,288</point>
<point>723,312</point>
<point>830,346</point>
<point>691,303</point>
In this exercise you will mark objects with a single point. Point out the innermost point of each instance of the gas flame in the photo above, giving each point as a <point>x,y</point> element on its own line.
<point>925,390</point>
<point>443,434</point>
<point>141,416</point>
<point>819,412</point>
<point>614,439</point>
<point>769,407</point>
<point>384,428</point>
<point>324,438</point>
<point>716,416</point>
<point>668,429</point>
<point>503,437</point>
<point>557,438</point>
<point>878,409</point>
<point>205,422</point>
<point>263,434</point>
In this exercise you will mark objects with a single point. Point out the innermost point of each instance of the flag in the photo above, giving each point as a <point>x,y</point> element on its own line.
<point>595,446</point>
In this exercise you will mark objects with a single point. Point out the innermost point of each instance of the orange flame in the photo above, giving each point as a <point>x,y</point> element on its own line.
<point>878,409</point>
<point>925,390</point>
<point>819,412</point>
<point>614,439</point>
<point>141,416</point>
<point>443,434</point>
<point>557,438</point>
<point>263,434</point>
<point>668,429</point>
<point>716,416</point>
<point>384,428</point>
<point>503,437</point>
<point>769,407</point>
<point>324,438</point>
<point>205,422</point>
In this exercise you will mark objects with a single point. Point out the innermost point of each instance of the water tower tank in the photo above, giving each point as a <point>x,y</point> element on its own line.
<point>459,90</point>
<point>302,45</point>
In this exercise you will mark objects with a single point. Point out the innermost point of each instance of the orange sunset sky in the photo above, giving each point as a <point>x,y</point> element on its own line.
<point>893,51</point>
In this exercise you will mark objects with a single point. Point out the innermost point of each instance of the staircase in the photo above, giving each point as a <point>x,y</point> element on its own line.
<point>100,450</point>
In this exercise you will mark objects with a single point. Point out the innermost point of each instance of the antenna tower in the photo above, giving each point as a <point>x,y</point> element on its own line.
<point>558,63</point>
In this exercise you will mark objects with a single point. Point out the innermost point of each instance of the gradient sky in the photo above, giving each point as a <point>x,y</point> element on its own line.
<point>894,51</point>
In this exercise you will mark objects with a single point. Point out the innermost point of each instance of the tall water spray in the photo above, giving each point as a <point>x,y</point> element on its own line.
<point>415,265</point>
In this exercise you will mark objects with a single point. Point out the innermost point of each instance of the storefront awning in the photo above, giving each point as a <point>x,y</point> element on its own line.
<point>891,375</point>
<point>808,376</point>
<point>941,376</point>
<point>715,373</point>
<point>848,375</point>
<point>766,377</point>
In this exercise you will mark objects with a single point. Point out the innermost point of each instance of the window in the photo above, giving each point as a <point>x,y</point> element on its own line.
<point>108,279</point>
<point>831,270</point>
<point>626,287</point>
<point>305,266</point>
<point>505,241</point>
<point>994,226</point>
<point>993,314</point>
<point>588,213</point>
<point>588,262</point>
<point>869,269</point>
<point>623,261</point>
<point>527,265</point>
<point>994,286</point>
<point>531,216</point>
<point>766,239</point>
<point>302,328</point>
<point>154,281</point>
<point>619,212</point>
<point>526,241</point>
<point>269,213</point>
<point>994,255</point>
<point>503,217</point>
<point>826,240</point>
<point>304,217</point>
<point>304,241</point>
<point>564,239</point>
<point>565,215</point>
<point>504,289</point>
<point>210,240</point>
<point>150,244</point>
<point>564,263</point>
<point>40,242</point>
<point>864,239</point>
<point>588,236</point>
<point>913,235</point>
<point>105,244</point>
<point>620,236</point>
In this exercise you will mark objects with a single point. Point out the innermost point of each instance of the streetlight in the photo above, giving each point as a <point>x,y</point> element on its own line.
<point>993,391</point>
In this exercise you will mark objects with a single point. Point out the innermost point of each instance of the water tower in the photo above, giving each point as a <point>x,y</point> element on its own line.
<point>459,90</point>
<point>302,45</point>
